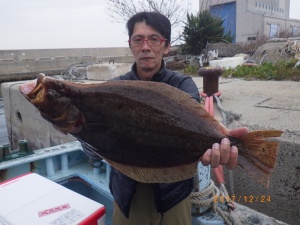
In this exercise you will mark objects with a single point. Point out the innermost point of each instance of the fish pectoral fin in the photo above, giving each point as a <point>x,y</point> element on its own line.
<point>69,121</point>
<point>63,125</point>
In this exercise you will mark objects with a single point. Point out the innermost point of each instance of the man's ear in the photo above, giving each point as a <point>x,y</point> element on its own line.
<point>167,49</point>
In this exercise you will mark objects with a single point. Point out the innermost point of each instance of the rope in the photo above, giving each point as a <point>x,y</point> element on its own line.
<point>204,198</point>
<point>209,197</point>
<point>69,74</point>
<point>227,116</point>
<point>223,215</point>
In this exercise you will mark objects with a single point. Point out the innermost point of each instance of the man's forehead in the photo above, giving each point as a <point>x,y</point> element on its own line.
<point>142,29</point>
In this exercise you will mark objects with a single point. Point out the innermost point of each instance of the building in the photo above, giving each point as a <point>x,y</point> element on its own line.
<point>250,19</point>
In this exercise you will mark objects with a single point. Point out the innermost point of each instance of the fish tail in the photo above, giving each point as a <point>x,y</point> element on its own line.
<point>257,155</point>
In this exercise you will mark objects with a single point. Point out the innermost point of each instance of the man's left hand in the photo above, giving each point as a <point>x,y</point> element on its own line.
<point>223,153</point>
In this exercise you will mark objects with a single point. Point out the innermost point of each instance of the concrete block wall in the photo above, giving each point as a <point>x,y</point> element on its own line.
<point>21,55</point>
<point>26,64</point>
<point>24,121</point>
<point>282,199</point>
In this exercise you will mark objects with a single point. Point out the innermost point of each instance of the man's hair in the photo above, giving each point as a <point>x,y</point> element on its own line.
<point>154,19</point>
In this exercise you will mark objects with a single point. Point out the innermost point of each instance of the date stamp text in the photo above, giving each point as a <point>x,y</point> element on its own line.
<point>243,199</point>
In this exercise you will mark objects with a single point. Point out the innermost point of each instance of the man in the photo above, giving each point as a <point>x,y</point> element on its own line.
<point>164,204</point>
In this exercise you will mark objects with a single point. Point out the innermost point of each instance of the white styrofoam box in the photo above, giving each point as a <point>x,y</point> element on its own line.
<point>33,199</point>
<point>230,62</point>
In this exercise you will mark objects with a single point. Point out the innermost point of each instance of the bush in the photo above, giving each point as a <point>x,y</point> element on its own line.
<point>191,70</point>
<point>279,71</point>
<point>202,29</point>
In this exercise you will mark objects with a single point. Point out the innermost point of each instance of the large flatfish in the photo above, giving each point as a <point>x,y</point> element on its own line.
<point>150,131</point>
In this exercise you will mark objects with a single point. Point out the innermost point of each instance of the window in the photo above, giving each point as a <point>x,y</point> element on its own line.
<point>295,31</point>
<point>274,30</point>
<point>251,38</point>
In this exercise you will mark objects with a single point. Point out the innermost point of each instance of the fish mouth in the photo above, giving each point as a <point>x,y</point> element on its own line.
<point>57,109</point>
<point>34,91</point>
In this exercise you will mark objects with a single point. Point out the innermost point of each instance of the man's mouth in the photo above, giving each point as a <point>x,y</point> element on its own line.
<point>146,58</point>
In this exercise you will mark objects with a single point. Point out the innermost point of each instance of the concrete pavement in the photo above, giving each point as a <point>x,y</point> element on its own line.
<point>265,104</point>
<point>268,105</point>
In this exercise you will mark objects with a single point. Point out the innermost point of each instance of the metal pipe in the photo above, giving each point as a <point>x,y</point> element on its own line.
<point>108,169</point>
<point>42,154</point>
<point>64,162</point>
<point>50,167</point>
<point>97,169</point>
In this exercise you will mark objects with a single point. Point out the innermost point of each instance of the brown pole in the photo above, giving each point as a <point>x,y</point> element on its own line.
<point>210,79</point>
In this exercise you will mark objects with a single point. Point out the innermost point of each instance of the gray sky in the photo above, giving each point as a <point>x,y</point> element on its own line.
<point>40,24</point>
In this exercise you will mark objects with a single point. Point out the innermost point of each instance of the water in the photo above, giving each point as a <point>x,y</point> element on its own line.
<point>3,128</point>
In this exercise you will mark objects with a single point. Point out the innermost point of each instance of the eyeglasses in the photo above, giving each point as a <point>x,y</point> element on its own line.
<point>151,41</point>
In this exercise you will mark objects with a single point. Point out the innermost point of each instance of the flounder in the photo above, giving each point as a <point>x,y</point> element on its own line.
<point>150,131</point>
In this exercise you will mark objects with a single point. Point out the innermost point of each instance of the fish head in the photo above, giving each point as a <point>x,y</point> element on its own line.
<point>57,108</point>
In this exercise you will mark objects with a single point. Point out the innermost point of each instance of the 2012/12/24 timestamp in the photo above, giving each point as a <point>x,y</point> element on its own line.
<point>243,198</point>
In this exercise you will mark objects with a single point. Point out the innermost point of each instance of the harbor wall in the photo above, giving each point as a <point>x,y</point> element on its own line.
<point>26,64</point>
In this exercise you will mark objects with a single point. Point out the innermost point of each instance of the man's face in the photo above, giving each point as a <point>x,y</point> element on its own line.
<point>148,58</point>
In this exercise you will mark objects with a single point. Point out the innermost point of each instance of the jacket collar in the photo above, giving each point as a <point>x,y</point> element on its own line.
<point>157,76</point>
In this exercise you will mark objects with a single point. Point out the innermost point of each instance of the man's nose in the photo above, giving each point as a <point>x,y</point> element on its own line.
<point>145,44</point>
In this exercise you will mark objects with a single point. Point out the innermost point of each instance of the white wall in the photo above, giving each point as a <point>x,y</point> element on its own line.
<point>254,17</point>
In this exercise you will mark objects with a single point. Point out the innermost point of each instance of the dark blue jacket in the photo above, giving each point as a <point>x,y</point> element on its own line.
<point>169,194</point>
